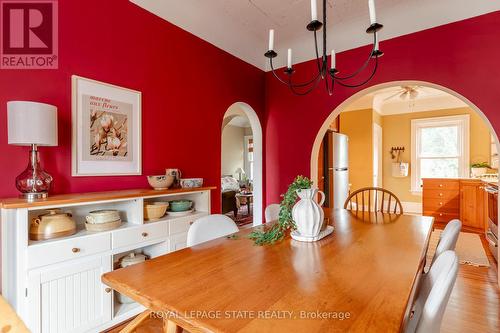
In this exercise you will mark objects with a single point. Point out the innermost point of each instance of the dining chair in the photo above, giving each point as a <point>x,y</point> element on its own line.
<point>272,212</point>
<point>374,199</point>
<point>435,290</point>
<point>210,227</point>
<point>448,238</point>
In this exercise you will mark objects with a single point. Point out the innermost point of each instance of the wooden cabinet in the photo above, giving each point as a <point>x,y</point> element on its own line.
<point>472,201</point>
<point>441,199</point>
<point>55,285</point>
<point>70,297</point>
<point>447,199</point>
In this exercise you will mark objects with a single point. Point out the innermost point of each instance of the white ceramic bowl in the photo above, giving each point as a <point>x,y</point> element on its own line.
<point>161,182</point>
<point>191,182</point>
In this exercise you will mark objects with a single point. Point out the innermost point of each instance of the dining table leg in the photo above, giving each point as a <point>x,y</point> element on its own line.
<point>170,327</point>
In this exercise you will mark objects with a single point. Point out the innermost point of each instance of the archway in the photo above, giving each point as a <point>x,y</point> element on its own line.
<point>243,109</point>
<point>354,97</point>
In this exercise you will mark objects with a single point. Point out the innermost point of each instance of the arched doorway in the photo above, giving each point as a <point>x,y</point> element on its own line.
<point>240,109</point>
<point>348,102</point>
<point>345,104</point>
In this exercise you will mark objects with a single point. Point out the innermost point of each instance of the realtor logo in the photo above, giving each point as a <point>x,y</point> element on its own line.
<point>28,34</point>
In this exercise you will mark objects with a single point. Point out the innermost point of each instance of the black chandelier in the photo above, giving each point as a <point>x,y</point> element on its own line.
<point>330,76</point>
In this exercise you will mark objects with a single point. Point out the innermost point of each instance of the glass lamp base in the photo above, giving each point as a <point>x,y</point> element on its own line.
<point>34,182</point>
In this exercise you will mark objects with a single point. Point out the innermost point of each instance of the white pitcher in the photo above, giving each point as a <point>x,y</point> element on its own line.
<point>307,213</point>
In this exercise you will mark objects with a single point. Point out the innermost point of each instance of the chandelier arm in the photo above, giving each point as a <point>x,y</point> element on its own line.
<point>289,83</point>
<point>364,82</point>
<point>276,75</point>
<point>320,66</point>
<point>362,68</point>
<point>299,93</point>
<point>323,67</point>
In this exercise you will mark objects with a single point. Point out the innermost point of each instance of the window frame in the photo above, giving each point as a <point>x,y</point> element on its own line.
<point>246,162</point>
<point>463,123</point>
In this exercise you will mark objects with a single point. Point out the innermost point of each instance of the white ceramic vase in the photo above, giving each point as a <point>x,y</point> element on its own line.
<point>307,213</point>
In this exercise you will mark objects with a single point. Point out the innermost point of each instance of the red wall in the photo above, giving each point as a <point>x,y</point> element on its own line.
<point>187,85</point>
<point>462,56</point>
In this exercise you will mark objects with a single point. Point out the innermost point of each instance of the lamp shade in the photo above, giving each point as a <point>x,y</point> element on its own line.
<point>239,170</point>
<point>32,123</point>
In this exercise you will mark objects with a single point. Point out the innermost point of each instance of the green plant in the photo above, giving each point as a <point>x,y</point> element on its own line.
<point>480,165</point>
<point>285,221</point>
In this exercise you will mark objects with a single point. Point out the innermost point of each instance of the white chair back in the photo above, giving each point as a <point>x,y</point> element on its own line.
<point>434,294</point>
<point>272,212</point>
<point>448,239</point>
<point>210,227</point>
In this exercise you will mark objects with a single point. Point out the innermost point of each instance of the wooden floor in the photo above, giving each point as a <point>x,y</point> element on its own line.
<point>474,304</point>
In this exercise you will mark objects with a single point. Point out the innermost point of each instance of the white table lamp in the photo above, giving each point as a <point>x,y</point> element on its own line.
<point>239,172</point>
<point>32,124</point>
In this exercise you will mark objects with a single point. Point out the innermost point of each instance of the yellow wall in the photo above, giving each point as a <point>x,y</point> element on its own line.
<point>397,132</point>
<point>357,125</point>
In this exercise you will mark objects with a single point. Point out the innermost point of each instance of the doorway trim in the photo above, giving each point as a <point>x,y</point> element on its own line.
<point>243,109</point>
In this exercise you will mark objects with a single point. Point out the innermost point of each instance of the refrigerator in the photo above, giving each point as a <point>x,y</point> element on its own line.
<point>340,169</point>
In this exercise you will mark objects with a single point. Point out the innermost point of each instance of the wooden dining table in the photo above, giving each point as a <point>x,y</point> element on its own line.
<point>361,278</point>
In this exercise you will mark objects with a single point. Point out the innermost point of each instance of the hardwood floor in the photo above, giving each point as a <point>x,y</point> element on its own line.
<point>474,304</point>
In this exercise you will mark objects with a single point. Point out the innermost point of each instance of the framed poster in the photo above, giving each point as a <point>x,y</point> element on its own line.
<point>106,120</point>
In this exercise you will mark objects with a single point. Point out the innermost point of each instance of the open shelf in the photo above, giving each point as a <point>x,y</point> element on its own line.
<point>167,218</point>
<point>126,309</point>
<point>80,232</point>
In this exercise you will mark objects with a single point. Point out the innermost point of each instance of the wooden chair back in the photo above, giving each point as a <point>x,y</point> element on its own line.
<point>374,199</point>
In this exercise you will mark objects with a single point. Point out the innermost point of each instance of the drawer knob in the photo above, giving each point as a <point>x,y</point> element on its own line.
<point>440,214</point>
<point>75,250</point>
<point>440,185</point>
<point>440,204</point>
<point>144,234</point>
<point>108,290</point>
<point>440,194</point>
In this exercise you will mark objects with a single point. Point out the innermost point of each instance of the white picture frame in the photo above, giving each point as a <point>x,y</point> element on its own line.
<point>106,129</point>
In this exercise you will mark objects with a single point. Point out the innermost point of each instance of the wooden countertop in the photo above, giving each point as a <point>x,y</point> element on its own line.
<point>366,269</point>
<point>65,199</point>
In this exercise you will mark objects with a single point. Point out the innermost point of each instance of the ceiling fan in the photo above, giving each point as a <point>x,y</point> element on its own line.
<point>406,93</point>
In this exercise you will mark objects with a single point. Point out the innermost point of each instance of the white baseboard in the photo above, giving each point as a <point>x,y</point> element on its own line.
<point>412,207</point>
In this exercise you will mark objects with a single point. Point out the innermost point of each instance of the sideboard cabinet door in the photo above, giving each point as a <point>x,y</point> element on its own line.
<point>71,297</point>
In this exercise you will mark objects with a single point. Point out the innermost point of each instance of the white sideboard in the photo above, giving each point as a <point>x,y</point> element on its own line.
<point>55,285</point>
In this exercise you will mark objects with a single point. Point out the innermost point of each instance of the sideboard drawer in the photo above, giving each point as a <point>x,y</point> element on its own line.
<point>61,250</point>
<point>441,184</point>
<point>141,233</point>
<point>441,194</point>
<point>442,217</point>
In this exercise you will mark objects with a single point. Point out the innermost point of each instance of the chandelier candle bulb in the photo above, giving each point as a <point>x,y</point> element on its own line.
<point>314,11</point>
<point>376,42</point>
<point>332,60</point>
<point>271,39</point>
<point>371,8</point>
<point>289,58</point>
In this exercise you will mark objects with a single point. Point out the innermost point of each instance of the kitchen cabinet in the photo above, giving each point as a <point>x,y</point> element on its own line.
<point>472,202</point>
<point>447,199</point>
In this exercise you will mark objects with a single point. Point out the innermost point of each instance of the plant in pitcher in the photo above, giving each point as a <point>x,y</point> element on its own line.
<point>307,218</point>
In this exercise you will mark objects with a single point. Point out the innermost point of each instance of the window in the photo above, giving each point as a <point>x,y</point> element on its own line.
<point>440,149</point>
<point>249,156</point>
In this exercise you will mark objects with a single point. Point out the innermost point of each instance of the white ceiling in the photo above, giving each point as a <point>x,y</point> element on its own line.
<point>240,27</point>
<point>389,101</point>
<point>239,121</point>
